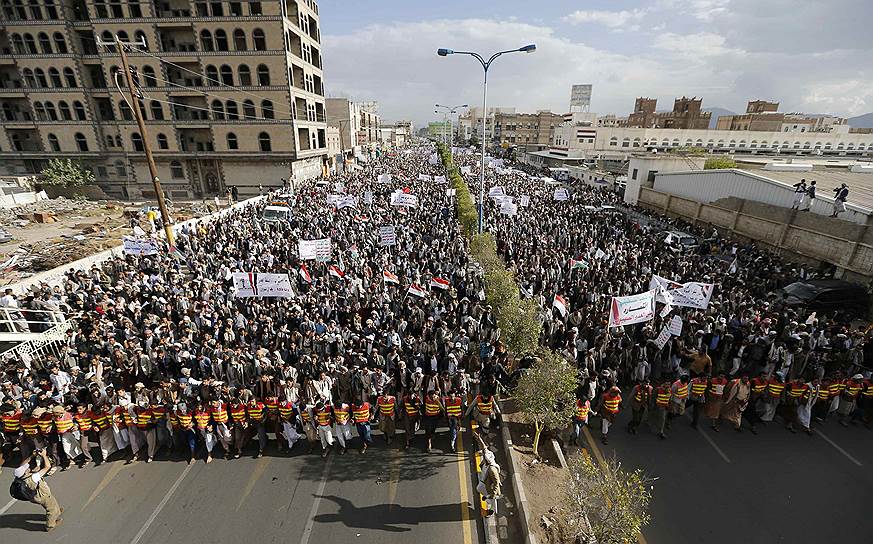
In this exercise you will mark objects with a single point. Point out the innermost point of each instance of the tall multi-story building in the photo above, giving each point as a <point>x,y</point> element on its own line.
<point>686,114</point>
<point>763,116</point>
<point>232,92</point>
<point>470,123</point>
<point>530,131</point>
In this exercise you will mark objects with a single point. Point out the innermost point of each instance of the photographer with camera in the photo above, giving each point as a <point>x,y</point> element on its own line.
<point>29,485</point>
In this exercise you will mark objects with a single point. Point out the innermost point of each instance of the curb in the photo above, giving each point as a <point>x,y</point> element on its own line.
<point>524,514</point>
<point>560,453</point>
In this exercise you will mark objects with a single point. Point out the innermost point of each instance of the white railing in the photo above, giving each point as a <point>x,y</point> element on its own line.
<point>36,351</point>
<point>25,320</point>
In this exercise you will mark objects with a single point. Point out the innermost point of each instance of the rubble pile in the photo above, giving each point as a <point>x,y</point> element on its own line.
<point>44,211</point>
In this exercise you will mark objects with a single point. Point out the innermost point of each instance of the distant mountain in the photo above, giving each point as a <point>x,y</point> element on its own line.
<point>862,121</point>
<point>716,113</point>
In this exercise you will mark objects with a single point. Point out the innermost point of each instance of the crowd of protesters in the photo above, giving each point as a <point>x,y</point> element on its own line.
<point>746,356</point>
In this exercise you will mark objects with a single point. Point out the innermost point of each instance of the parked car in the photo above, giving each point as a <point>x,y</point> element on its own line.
<point>825,296</point>
<point>680,242</point>
<point>276,213</point>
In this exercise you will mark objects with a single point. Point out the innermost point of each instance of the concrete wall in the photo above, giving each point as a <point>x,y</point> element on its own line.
<point>803,237</point>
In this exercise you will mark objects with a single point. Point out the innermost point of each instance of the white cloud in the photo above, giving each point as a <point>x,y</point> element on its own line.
<point>609,19</point>
<point>853,96</point>
<point>702,44</point>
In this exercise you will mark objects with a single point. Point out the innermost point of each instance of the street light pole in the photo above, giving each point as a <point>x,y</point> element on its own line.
<point>485,65</point>
<point>451,111</point>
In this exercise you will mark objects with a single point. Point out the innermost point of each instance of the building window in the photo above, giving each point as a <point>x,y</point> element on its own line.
<point>70,77</point>
<point>176,170</point>
<point>30,44</point>
<point>157,111</point>
<point>226,75</point>
<point>126,113</point>
<point>120,169</point>
<point>206,43</point>
<point>217,9</point>
<point>60,43</point>
<point>221,40</point>
<point>263,75</point>
<point>81,142</point>
<point>162,141</point>
<point>80,111</point>
<point>66,114</point>
<point>53,143</point>
<point>245,76</point>
<point>211,75</point>
<point>35,10</point>
<point>148,74</point>
<point>45,45</point>
<point>50,111</point>
<point>264,142</point>
<point>635,172</point>
<point>217,110</point>
<point>115,6</point>
<point>136,140</point>
<point>232,111</point>
<point>37,107</point>
<point>267,109</point>
<point>55,78</point>
<point>239,40</point>
<point>259,40</point>
<point>235,9</point>
<point>41,81</point>
<point>134,8</point>
<point>249,109</point>
<point>231,141</point>
<point>255,8</point>
<point>141,40</point>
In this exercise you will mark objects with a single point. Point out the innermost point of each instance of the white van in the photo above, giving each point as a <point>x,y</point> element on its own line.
<point>276,213</point>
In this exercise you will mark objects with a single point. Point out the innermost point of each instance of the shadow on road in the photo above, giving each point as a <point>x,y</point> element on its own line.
<point>28,522</point>
<point>387,517</point>
<point>379,461</point>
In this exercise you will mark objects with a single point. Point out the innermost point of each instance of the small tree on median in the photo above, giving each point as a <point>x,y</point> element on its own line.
<point>603,504</point>
<point>546,394</point>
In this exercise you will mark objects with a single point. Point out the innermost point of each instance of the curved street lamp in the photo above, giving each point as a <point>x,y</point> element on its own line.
<point>485,65</point>
<point>450,110</point>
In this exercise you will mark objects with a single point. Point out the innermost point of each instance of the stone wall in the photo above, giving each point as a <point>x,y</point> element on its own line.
<point>800,236</point>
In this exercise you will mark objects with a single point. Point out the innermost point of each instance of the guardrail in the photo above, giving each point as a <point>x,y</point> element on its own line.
<point>36,351</point>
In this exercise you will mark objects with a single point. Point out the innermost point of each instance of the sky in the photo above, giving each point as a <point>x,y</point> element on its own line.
<point>809,55</point>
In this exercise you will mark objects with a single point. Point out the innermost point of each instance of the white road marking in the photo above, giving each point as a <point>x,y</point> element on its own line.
<point>8,506</point>
<point>713,444</point>
<point>839,449</point>
<point>161,505</point>
<point>310,522</point>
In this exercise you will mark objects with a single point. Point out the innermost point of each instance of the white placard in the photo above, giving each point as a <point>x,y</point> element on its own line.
<point>561,194</point>
<point>368,197</point>
<point>497,190</point>
<point>632,309</point>
<point>399,198</point>
<point>692,294</point>
<point>675,326</point>
<point>319,249</point>
<point>508,208</point>
<point>439,180</point>
<point>333,199</point>
<point>260,285</point>
<point>451,192</point>
<point>466,170</point>
<point>387,236</point>
<point>140,246</point>
<point>663,338</point>
<point>347,201</point>
<point>339,187</point>
<point>424,177</point>
<point>524,201</point>
<point>385,178</point>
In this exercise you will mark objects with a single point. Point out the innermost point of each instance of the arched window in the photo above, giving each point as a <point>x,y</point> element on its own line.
<point>80,110</point>
<point>60,43</point>
<point>162,141</point>
<point>118,141</point>
<point>136,140</point>
<point>53,143</point>
<point>37,107</point>
<point>211,75</point>
<point>226,75</point>
<point>122,35</point>
<point>206,43</point>
<point>217,110</point>
<point>267,109</point>
<point>264,142</point>
<point>120,169</point>
<point>125,110</point>
<point>55,78</point>
<point>35,10</point>
<point>81,142</point>
<point>258,39</point>
<point>50,111</point>
<point>110,142</point>
<point>40,79</point>
<point>249,109</point>
<point>231,141</point>
<point>140,38</point>
<point>176,170</point>
<point>239,40</point>
<point>30,44</point>
<point>263,75</point>
<point>221,40</point>
<point>45,45</point>
<point>106,36</point>
<point>29,80</point>
<point>245,75</point>
<point>66,114</point>
<point>232,111</point>
<point>18,44</point>
<point>70,77</point>
<point>148,74</point>
<point>157,111</point>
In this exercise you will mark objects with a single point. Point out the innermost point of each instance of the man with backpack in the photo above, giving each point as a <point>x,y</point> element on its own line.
<point>29,485</point>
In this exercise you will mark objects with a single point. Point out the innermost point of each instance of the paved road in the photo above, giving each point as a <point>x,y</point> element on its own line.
<point>386,495</point>
<point>728,487</point>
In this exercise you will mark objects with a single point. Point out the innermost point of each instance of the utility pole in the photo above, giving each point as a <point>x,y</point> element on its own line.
<point>153,169</point>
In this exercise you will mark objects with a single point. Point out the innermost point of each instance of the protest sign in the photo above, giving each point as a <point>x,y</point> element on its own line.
<point>663,338</point>
<point>451,192</point>
<point>508,208</point>
<point>140,246</point>
<point>368,198</point>
<point>332,199</point>
<point>399,198</point>
<point>497,190</point>
<point>339,187</point>
<point>319,249</point>
<point>675,326</point>
<point>260,285</point>
<point>632,309</point>
<point>384,178</point>
<point>439,180</point>
<point>424,177</point>
<point>347,201</point>
<point>561,194</point>
<point>692,294</point>
<point>524,201</point>
<point>387,236</point>
<point>466,170</point>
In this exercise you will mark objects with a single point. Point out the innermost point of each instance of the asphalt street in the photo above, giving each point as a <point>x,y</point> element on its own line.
<point>386,495</point>
<point>728,487</point>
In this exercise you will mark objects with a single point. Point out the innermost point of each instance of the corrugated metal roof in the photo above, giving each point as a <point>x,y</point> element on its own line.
<point>827,179</point>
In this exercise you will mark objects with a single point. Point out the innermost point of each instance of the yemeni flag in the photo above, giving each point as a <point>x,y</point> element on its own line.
<point>560,304</point>
<point>581,265</point>
<point>335,271</point>
<point>304,273</point>
<point>416,290</point>
<point>439,283</point>
<point>362,219</point>
<point>388,277</point>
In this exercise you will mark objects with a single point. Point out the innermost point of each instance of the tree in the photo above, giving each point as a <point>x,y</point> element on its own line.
<point>603,504</point>
<point>66,173</point>
<point>546,394</point>
<point>719,163</point>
